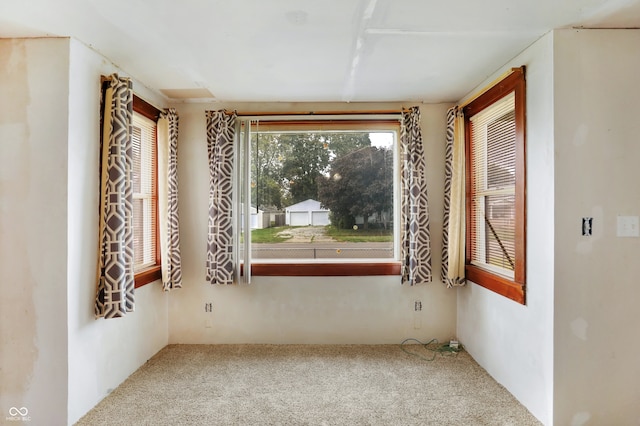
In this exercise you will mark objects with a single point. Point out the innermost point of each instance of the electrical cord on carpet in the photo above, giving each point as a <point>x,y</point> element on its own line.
<point>444,349</point>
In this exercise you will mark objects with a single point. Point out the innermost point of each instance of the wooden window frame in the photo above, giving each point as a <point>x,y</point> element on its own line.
<point>154,272</point>
<point>288,268</point>
<point>515,288</point>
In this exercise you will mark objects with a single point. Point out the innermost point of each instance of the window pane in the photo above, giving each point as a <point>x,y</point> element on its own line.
<point>501,153</point>
<point>144,191</point>
<point>325,195</point>
<point>138,232</point>
<point>137,158</point>
<point>493,139</point>
<point>500,233</point>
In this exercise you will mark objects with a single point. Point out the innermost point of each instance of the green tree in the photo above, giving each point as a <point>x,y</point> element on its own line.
<point>359,184</point>
<point>266,171</point>
<point>305,158</point>
<point>341,144</point>
<point>286,167</point>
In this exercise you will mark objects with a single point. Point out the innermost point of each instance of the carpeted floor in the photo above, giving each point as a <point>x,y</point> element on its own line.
<point>308,385</point>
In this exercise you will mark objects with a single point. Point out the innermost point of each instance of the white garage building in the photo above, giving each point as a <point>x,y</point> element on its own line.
<point>306,213</point>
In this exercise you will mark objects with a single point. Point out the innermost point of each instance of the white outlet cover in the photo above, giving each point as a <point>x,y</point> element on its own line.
<point>628,226</point>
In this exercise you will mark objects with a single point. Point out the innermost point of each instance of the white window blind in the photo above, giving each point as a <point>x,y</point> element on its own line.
<point>493,168</point>
<point>144,192</point>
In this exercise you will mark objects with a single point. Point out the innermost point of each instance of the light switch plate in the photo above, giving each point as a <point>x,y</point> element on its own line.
<point>628,226</point>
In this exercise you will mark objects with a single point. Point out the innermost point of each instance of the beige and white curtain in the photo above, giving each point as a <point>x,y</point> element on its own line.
<point>115,290</point>
<point>168,200</point>
<point>453,238</point>
<point>415,244</point>
<point>221,128</point>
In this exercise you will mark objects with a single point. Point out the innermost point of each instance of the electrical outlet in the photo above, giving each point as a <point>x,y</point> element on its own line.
<point>417,314</point>
<point>417,322</point>
<point>208,307</point>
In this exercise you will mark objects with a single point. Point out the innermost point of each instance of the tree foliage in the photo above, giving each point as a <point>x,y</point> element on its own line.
<point>360,184</point>
<point>341,170</point>
<point>266,171</point>
<point>306,158</point>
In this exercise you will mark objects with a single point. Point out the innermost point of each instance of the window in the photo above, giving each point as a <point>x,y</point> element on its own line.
<point>322,196</point>
<point>146,248</point>
<point>495,146</point>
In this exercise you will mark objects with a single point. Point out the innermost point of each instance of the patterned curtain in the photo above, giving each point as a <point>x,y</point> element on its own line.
<point>220,136</point>
<point>453,226</point>
<point>414,219</point>
<point>168,199</point>
<point>114,296</point>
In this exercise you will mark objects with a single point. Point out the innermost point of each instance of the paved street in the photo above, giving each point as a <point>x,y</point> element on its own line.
<point>323,250</point>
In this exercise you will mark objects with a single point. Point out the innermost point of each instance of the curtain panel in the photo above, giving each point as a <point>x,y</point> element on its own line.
<point>221,128</point>
<point>415,245</point>
<point>115,292</point>
<point>453,225</point>
<point>168,200</point>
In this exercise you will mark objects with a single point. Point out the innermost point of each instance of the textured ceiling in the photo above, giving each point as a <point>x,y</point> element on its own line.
<point>310,50</point>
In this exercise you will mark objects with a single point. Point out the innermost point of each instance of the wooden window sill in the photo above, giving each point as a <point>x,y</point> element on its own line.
<point>148,275</point>
<point>503,286</point>
<point>324,269</point>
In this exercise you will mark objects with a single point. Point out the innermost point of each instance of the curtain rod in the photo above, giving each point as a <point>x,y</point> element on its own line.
<point>314,113</point>
<point>320,118</point>
<point>490,85</point>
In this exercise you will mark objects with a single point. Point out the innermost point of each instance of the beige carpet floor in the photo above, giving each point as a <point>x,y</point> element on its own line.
<point>309,385</point>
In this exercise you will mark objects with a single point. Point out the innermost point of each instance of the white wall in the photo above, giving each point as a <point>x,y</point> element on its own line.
<point>597,141</point>
<point>514,343</point>
<point>33,228</point>
<point>102,353</point>
<point>301,310</point>
<point>55,358</point>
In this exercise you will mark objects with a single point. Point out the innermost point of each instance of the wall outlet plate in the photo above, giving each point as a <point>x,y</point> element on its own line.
<point>417,322</point>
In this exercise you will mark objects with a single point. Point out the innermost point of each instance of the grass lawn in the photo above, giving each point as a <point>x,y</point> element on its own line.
<point>360,235</point>
<point>268,235</point>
